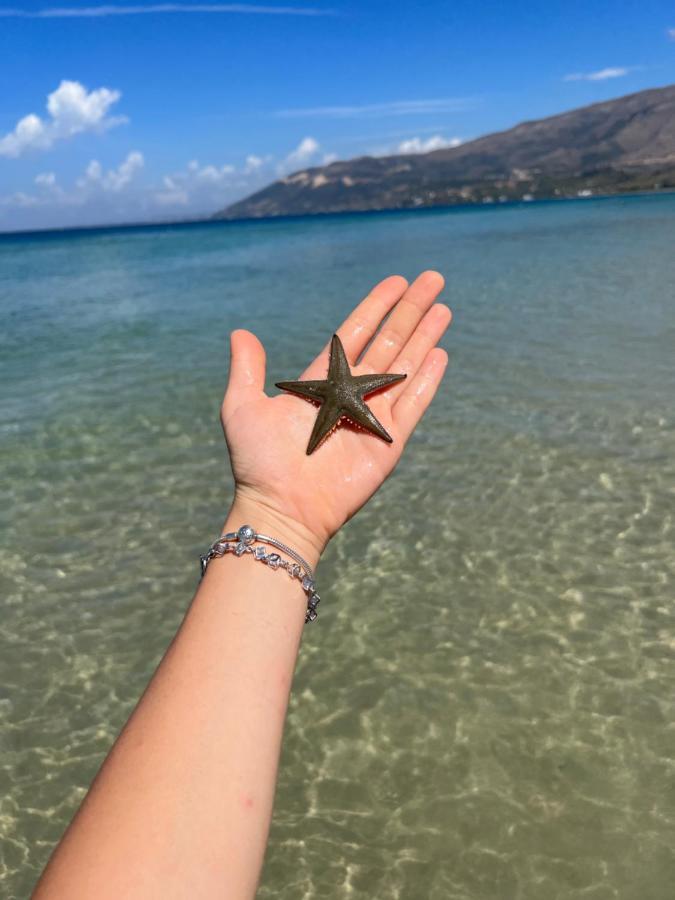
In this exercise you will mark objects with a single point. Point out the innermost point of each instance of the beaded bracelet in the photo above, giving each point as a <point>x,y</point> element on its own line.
<point>240,542</point>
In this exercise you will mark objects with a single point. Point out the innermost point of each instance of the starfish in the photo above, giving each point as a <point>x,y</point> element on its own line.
<point>341,396</point>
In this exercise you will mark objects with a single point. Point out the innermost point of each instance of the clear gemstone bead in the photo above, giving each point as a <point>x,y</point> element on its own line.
<point>240,548</point>
<point>246,534</point>
<point>273,560</point>
<point>260,553</point>
<point>307,583</point>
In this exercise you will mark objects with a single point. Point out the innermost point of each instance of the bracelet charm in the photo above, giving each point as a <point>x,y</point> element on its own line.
<point>241,541</point>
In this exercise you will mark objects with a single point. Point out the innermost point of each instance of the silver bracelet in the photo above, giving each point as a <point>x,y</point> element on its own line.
<point>242,540</point>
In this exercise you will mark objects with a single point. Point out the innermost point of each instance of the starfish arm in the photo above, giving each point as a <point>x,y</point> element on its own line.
<point>338,367</point>
<point>312,389</point>
<point>326,420</point>
<point>367,384</point>
<point>362,415</point>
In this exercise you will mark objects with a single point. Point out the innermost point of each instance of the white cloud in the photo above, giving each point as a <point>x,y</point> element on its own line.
<point>113,180</point>
<point>215,175</point>
<point>29,132</point>
<point>601,74</point>
<point>72,109</point>
<point>50,193</point>
<point>304,153</point>
<point>420,145</point>
<point>203,188</point>
<point>370,110</point>
<point>197,182</point>
<point>115,194</point>
<point>98,12</point>
<point>20,199</point>
<point>671,33</point>
<point>119,178</point>
<point>171,196</point>
<point>96,188</point>
<point>45,179</point>
<point>93,173</point>
<point>253,163</point>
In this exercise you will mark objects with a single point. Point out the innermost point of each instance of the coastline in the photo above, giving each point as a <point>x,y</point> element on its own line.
<point>211,220</point>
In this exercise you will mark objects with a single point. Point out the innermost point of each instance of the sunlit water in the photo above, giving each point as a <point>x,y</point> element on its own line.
<point>485,706</point>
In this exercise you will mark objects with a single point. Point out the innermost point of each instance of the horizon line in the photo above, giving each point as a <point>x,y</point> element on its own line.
<point>214,219</point>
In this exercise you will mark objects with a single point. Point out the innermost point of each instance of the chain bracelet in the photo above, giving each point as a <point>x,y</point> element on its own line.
<point>240,542</point>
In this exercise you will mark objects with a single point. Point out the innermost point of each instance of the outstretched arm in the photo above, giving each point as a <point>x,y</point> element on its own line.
<point>182,805</point>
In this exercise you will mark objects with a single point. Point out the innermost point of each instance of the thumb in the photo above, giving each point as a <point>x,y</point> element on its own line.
<point>247,367</point>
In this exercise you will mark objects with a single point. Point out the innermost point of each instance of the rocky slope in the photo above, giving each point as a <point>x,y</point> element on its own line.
<point>620,145</point>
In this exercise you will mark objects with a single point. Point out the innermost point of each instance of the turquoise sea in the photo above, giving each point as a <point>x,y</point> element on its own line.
<point>485,708</point>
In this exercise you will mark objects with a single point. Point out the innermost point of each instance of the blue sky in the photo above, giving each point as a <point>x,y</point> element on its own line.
<point>133,111</point>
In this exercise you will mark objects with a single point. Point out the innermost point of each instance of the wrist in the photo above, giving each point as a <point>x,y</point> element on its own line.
<point>264,517</point>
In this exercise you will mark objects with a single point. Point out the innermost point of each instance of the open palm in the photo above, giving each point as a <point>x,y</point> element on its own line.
<point>267,436</point>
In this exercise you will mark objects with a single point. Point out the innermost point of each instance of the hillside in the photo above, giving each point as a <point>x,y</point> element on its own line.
<point>627,144</point>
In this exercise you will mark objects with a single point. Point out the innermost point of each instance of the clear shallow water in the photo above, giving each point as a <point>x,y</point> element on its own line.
<point>485,707</point>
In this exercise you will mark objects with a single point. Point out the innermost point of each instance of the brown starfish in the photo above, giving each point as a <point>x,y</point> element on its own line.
<point>341,396</point>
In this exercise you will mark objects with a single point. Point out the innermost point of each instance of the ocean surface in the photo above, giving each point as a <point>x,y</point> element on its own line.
<point>485,708</point>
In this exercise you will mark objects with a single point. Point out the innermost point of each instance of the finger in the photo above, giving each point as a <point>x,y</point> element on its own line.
<point>401,324</point>
<point>247,368</point>
<point>361,324</point>
<point>413,402</point>
<point>427,334</point>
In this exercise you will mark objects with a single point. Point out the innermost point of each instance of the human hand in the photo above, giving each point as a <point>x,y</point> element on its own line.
<point>308,498</point>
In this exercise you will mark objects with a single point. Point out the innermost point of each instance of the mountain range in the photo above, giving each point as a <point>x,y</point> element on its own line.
<point>617,146</point>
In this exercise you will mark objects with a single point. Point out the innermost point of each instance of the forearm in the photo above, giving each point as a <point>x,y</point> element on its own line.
<point>183,803</point>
